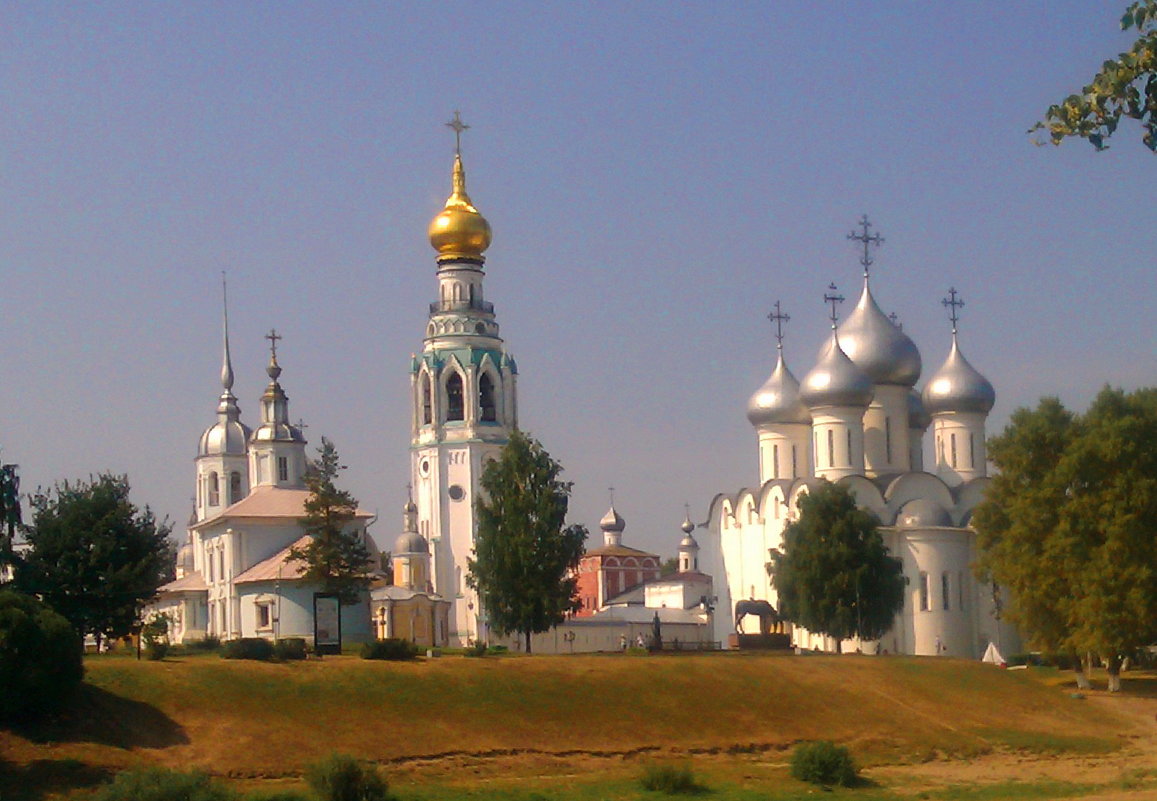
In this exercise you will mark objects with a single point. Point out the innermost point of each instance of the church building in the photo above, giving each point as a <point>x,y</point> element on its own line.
<point>857,420</point>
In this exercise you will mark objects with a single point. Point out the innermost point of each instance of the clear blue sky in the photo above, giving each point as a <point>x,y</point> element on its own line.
<point>657,175</point>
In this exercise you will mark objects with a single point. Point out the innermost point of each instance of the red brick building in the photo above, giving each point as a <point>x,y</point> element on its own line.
<point>613,568</point>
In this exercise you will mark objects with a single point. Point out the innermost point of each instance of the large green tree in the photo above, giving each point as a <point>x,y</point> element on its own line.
<point>834,575</point>
<point>10,514</point>
<point>93,556</point>
<point>525,554</point>
<point>1069,525</point>
<point>336,557</point>
<point>1125,88</point>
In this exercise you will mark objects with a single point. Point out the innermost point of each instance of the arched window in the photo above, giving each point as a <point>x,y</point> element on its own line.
<point>946,590</point>
<point>486,399</point>
<point>794,466</point>
<point>972,450</point>
<point>427,401</point>
<point>888,439</point>
<point>455,410</point>
<point>775,461</point>
<point>953,440</point>
<point>925,591</point>
<point>849,447</point>
<point>831,448</point>
<point>214,490</point>
<point>234,487</point>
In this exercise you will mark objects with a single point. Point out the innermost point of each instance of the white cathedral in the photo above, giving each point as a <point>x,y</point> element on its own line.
<point>856,419</point>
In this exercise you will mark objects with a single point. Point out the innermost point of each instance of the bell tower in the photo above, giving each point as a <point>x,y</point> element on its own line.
<point>463,400</point>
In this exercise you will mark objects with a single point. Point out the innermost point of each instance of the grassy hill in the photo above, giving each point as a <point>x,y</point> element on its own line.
<point>247,719</point>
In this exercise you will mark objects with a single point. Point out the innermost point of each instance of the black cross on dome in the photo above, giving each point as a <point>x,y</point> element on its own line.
<point>867,240</point>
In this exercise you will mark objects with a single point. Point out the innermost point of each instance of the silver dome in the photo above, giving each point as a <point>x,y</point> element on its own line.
<point>688,543</point>
<point>835,380</point>
<point>777,401</point>
<point>922,513</point>
<point>224,438</point>
<point>410,542</point>
<point>918,417</point>
<point>612,521</point>
<point>958,387</point>
<point>878,346</point>
<point>277,432</point>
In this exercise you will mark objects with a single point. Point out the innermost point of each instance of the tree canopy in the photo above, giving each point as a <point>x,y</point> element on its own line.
<point>336,556</point>
<point>93,556</point>
<point>525,554</point>
<point>835,575</point>
<point>1069,524</point>
<point>10,514</point>
<point>1126,87</point>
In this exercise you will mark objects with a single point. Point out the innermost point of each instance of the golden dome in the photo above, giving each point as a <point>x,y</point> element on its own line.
<point>459,231</point>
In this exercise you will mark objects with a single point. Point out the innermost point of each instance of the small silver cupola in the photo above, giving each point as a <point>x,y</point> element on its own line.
<point>835,380</point>
<point>957,386</point>
<point>777,401</point>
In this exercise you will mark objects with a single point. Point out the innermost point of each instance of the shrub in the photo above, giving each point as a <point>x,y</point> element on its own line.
<point>476,648</point>
<point>343,778</point>
<point>210,643</point>
<point>156,650</point>
<point>160,784</point>
<point>248,648</point>
<point>393,649</point>
<point>670,779</point>
<point>823,763</point>
<point>289,648</point>
<point>40,657</point>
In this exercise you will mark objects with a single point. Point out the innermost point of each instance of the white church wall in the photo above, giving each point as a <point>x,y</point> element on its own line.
<point>291,612</point>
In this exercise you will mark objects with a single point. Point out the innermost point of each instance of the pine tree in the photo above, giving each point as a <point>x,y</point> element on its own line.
<point>336,557</point>
<point>525,554</point>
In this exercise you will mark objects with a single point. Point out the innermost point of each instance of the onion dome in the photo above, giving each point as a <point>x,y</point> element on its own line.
<point>275,426</point>
<point>459,231</point>
<point>612,522</point>
<point>688,542</point>
<point>877,345</point>
<point>835,380</point>
<point>410,542</point>
<point>918,417</point>
<point>777,401</point>
<point>958,387</point>
<point>922,513</point>
<point>687,526</point>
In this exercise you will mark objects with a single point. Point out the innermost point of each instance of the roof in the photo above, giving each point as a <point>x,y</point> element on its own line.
<point>190,582</point>
<point>644,614</point>
<point>279,566</point>
<point>269,503</point>
<point>618,550</point>
<point>395,593</point>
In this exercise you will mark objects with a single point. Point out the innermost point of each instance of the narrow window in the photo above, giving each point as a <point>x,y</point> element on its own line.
<point>427,406</point>
<point>939,450</point>
<point>945,589</point>
<point>888,439</point>
<point>454,406</point>
<point>953,450</point>
<point>221,564</point>
<point>214,490</point>
<point>923,591</point>
<point>831,448</point>
<point>234,487</point>
<point>794,471</point>
<point>264,619</point>
<point>775,461</point>
<point>960,590</point>
<point>972,450</point>
<point>486,399</point>
<point>849,447</point>
<point>282,468</point>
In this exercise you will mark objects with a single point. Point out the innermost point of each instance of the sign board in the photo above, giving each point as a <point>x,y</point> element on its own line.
<point>326,623</point>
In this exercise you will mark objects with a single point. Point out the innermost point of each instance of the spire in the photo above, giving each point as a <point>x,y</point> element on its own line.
<point>226,437</point>
<point>227,364</point>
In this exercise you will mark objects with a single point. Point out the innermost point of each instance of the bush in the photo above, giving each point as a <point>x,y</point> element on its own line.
<point>156,650</point>
<point>343,778</point>
<point>476,648</point>
<point>159,784</point>
<point>210,643</point>
<point>670,779</point>
<point>393,649</point>
<point>248,648</point>
<point>823,763</point>
<point>40,657</point>
<point>289,648</point>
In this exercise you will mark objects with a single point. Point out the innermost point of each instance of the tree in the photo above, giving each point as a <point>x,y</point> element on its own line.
<point>835,575</point>
<point>525,554</point>
<point>1126,87</point>
<point>336,556</point>
<point>93,556</point>
<point>1068,525</point>
<point>40,657</point>
<point>10,515</point>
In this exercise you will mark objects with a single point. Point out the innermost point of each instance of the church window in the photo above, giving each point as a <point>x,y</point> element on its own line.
<point>972,450</point>
<point>486,399</point>
<point>960,590</point>
<point>794,470</point>
<point>200,493</point>
<point>775,461</point>
<point>939,450</point>
<point>427,404</point>
<point>831,448</point>
<point>264,616</point>
<point>214,490</point>
<point>888,439</point>
<point>234,487</point>
<point>924,591</point>
<point>946,589</point>
<point>458,581</point>
<point>221,564</point>
<point>953,441</point>
<point>849,447</point>
<point>455,409</point>
<point>282,468</point>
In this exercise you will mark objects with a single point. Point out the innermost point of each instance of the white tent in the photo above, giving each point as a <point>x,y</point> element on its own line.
<point>993,656</point>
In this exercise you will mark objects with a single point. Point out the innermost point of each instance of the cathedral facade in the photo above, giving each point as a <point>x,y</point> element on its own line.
<point>857,420</point>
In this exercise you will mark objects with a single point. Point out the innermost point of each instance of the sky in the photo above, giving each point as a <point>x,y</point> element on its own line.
<point>657,175</point>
